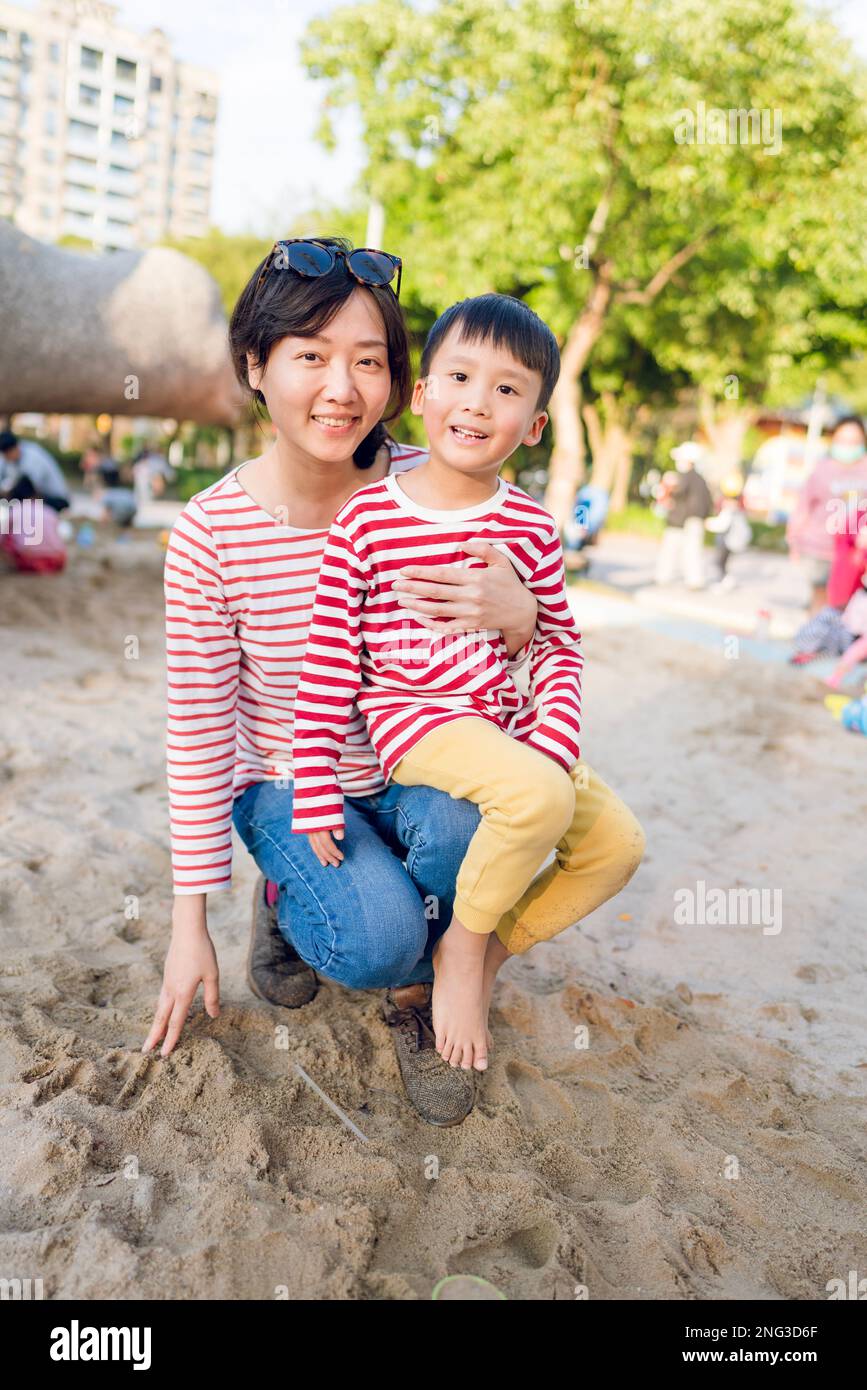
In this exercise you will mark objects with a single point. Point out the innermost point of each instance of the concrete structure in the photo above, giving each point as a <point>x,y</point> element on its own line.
<point>138,333</point>
<point>103,134</point>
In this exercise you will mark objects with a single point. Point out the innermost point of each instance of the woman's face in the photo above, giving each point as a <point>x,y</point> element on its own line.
<point>325,393</point>
<point>847,443</point>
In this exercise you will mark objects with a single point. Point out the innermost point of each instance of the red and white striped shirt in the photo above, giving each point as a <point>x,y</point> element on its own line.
<point>239,590</point>
<point>362,647</point>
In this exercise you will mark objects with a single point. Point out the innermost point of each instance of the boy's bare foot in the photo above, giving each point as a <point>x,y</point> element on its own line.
<point>457,1004</point>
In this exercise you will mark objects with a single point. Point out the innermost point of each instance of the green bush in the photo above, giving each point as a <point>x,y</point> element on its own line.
<point>192,480</point>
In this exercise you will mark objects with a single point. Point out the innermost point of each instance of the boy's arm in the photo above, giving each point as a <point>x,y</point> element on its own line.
<point>329,682</point>
<point>556,663</point>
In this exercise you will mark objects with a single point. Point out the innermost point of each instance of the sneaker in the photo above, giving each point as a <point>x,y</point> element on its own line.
<point>275,971</point>
<point>442,1094</point>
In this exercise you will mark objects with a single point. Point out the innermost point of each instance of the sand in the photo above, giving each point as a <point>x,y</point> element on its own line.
<point>713,1050</point>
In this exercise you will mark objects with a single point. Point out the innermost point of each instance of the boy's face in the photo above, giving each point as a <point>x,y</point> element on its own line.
<point>478,404</point>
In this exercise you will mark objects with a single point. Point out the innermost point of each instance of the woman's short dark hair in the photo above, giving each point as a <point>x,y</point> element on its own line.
<point>506,322</point>
<point>290,305</point>
<point>851,420</point>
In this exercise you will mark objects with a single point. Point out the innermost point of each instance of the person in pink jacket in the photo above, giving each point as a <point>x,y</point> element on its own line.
<point>834,491</point>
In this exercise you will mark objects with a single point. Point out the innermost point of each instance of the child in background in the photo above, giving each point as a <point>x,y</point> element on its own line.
<point>854,620</point>
<point>832,633</point>
<point>731,528</point>
<point>443,710</point>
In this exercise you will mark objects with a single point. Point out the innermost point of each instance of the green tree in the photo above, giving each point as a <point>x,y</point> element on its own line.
<point>536,148</point>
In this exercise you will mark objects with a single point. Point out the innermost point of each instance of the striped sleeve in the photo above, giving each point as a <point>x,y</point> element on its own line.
<point>202,656</point>
<point>329,682</point>
<point>556,663</point>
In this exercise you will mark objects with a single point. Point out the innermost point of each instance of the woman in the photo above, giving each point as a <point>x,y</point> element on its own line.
<point>318,335</point>
<point>830,495</point>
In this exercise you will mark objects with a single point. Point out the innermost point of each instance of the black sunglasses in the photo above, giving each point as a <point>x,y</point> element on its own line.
<point>314,258</point>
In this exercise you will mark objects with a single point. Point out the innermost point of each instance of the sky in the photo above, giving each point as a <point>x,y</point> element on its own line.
<point>268,166</point>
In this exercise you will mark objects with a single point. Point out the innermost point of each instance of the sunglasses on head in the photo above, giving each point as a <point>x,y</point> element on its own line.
<point>314,258</point>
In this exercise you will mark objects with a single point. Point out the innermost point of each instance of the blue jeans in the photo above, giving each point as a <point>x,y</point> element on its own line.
<point>372,922</point>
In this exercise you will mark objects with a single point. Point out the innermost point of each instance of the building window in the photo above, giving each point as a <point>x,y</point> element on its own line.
<point>52,89</point>
<point>123,105</point>
<point>91,58</point>
<point>118,140</point>
<point>85,167</point>
<point>125,70</point>
<point>46,212</point>
<point>88,96</point>
<point>54,52</point>
<point>82,131</point>
<point>156,83</point>
<point>49,156</point>
<point>49,123</point>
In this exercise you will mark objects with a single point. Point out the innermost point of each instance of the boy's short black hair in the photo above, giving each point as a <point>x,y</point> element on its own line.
<point>506,322</point>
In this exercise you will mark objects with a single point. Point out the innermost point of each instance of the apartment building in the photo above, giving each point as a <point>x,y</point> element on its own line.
<point>104,134</point>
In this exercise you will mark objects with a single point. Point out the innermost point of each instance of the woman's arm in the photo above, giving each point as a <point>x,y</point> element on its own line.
<point>202,658</point>
<point>191,961</point>
<point>448,598</point>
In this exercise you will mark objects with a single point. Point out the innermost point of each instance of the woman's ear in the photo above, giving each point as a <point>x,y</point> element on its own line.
<point>254,373</point>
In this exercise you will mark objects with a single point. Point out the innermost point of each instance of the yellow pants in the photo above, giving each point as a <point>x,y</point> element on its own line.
<point>530,805</point>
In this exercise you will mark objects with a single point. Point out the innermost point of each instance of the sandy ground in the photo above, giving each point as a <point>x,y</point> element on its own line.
<point>713,1050</point>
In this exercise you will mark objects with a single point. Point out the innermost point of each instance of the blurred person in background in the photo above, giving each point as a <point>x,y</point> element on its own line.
<point>151,472</point>
<point>730,528</point>
<point>687,500</point>
<point>839,477</point>
<point>28,470</point>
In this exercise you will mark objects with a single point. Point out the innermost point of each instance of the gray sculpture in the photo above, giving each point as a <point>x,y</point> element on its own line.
<point>126,332</point>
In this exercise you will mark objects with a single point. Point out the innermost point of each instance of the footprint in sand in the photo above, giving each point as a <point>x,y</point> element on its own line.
<point>542,1101</point>
<point>531,1247</point>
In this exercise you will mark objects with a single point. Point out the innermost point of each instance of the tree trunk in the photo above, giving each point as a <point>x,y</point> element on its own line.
<point>566,468</point>
<point>725,427</point>
<point>622,471</point>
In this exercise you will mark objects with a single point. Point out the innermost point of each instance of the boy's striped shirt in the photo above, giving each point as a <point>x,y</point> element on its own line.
<point>362,647</point>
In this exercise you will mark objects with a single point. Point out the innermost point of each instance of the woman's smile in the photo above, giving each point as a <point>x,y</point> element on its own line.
<point>336,425</point>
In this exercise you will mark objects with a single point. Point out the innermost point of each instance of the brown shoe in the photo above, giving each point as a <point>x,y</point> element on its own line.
<point>442,1094</point>
<point>275,971</point>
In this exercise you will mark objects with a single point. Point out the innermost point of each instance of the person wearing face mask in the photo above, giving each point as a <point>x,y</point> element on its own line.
<point>834,491</point>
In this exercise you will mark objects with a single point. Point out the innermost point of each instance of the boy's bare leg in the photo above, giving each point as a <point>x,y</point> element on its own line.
<point>495,956</point>
<point>457,1001</point>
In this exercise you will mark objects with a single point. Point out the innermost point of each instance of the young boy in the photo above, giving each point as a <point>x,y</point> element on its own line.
<point>444,710</point>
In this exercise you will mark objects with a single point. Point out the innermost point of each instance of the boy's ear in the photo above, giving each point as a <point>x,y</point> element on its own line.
<point>254,374</point>
<point>416,404</point>
<point>534,434</point>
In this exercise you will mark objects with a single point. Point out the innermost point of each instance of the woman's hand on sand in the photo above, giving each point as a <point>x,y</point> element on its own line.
<point>449,599</point>
<point>324,848</point>
<point>191,961</point>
